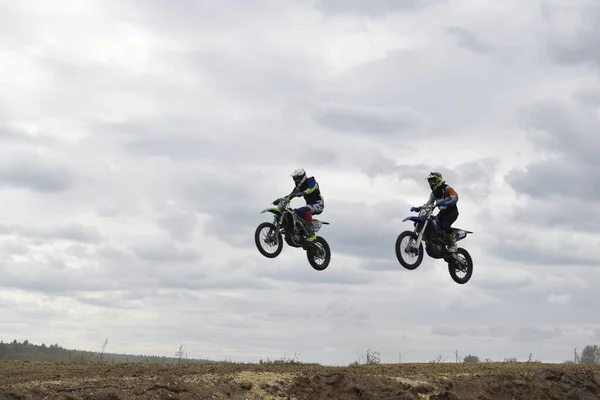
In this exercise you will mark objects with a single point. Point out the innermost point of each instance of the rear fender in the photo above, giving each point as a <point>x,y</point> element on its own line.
<point>460,234</point>
<point>317,224</point>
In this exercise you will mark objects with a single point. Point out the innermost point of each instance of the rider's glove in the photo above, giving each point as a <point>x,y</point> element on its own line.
<point>440,203</point>
<point>415,209</point>
<point>276,201</point>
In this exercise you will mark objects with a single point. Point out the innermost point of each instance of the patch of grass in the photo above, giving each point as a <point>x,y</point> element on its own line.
<point>372,358</point>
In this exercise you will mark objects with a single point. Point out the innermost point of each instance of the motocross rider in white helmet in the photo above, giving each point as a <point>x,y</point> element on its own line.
<point>308,188</point>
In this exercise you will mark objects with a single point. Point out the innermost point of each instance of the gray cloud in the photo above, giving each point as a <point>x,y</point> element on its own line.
<point>71,231</point>
<point>180,225</point>
<point>165,252</point>
<point>363,230</point>
<point>565,213</point>
<point>32,175</point>
<point>353,119</point>
<point>472,179</point>
<point>182,139</point>
<point>260,76</point>
<point>535,334</point>
<point>302,273</point>
<point>15,248</point>
<point>189,15</point>
<point>545,179</point>
<point>489,332</point>
<point>475,171</point>
<point>374,8</point>
<point>511,279</point>
<point>573,42</point>
<point>382,264</point>
<point>110,301</point>
<point>589,96</point>
<point>468,40</point>
<point>50,279</point>
<point>559,185</point>
<point>525,250</point>
<point>21,137</point>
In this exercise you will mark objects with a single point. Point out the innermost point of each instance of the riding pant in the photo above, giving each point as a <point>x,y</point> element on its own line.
<point>447,217</point>
<point>310,209</point>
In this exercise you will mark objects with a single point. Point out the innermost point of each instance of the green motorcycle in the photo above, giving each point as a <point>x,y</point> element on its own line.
<point>291,227</point>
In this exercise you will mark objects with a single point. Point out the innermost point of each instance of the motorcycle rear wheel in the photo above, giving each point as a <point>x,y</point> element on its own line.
<point>454,267</point>
<point>311,254</point>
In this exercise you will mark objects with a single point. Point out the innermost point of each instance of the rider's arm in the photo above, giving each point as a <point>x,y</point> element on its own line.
<point>430,201</point>
<point>292,193</point>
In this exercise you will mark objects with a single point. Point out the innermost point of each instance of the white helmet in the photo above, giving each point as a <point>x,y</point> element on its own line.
<point>299,176</point>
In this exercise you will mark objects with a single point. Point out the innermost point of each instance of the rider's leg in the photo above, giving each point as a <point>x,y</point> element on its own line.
<point>315,209</point>
<point>447,218</point>
<point>304,212</point>
<point>307,212</point>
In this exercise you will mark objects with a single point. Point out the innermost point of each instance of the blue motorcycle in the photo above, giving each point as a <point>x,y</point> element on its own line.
<point>427,229</point>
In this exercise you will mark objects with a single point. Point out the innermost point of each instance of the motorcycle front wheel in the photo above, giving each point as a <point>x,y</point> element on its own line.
<point>272,237</point>
<point>410,238</point>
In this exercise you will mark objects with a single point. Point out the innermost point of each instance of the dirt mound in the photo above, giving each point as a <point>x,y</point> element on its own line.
<point>482,381</point>
<point>581,385</point>
<point>344,386</point>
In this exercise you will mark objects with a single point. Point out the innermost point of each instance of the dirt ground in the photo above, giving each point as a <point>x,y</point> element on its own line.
<point>442,381</point>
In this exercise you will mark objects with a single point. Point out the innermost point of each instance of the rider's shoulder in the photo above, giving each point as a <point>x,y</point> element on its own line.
<point>450,189</point>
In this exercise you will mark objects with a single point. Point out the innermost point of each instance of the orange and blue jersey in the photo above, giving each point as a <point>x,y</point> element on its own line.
<point>445,196</point>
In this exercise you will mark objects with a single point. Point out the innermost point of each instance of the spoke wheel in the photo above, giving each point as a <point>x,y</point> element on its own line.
<point>407,254</point>
<point>318,257</point>
<point>268,240</point>
<point>461,268</point>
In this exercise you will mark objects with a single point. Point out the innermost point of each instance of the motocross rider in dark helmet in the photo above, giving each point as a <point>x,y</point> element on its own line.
<point>308,188</point>
<point>445,198</point>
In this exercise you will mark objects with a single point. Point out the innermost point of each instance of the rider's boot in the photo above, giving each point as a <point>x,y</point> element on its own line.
<point>450,240</point>
<point>308,224</point>
<point>310,233</point>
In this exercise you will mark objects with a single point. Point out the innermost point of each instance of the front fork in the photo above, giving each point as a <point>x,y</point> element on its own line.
<point>420,234</point>
<point>273,234</point>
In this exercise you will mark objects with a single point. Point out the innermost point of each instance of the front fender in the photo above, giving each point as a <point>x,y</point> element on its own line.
<point>414,219</point>
<point>273,210</point>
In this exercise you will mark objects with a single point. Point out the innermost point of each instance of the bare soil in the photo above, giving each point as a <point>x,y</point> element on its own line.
<point>439,381</point>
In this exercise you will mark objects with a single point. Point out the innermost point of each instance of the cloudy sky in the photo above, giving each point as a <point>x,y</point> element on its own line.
<point>141,139</point>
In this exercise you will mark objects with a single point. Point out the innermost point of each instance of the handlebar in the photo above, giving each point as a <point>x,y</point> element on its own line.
<point>281,202</point>
<point>430,207</point>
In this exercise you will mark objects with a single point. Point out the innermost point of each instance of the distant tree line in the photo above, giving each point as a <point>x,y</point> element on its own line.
<point>27,351</point>
<point>32,352</point>
<point>589,355</point>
